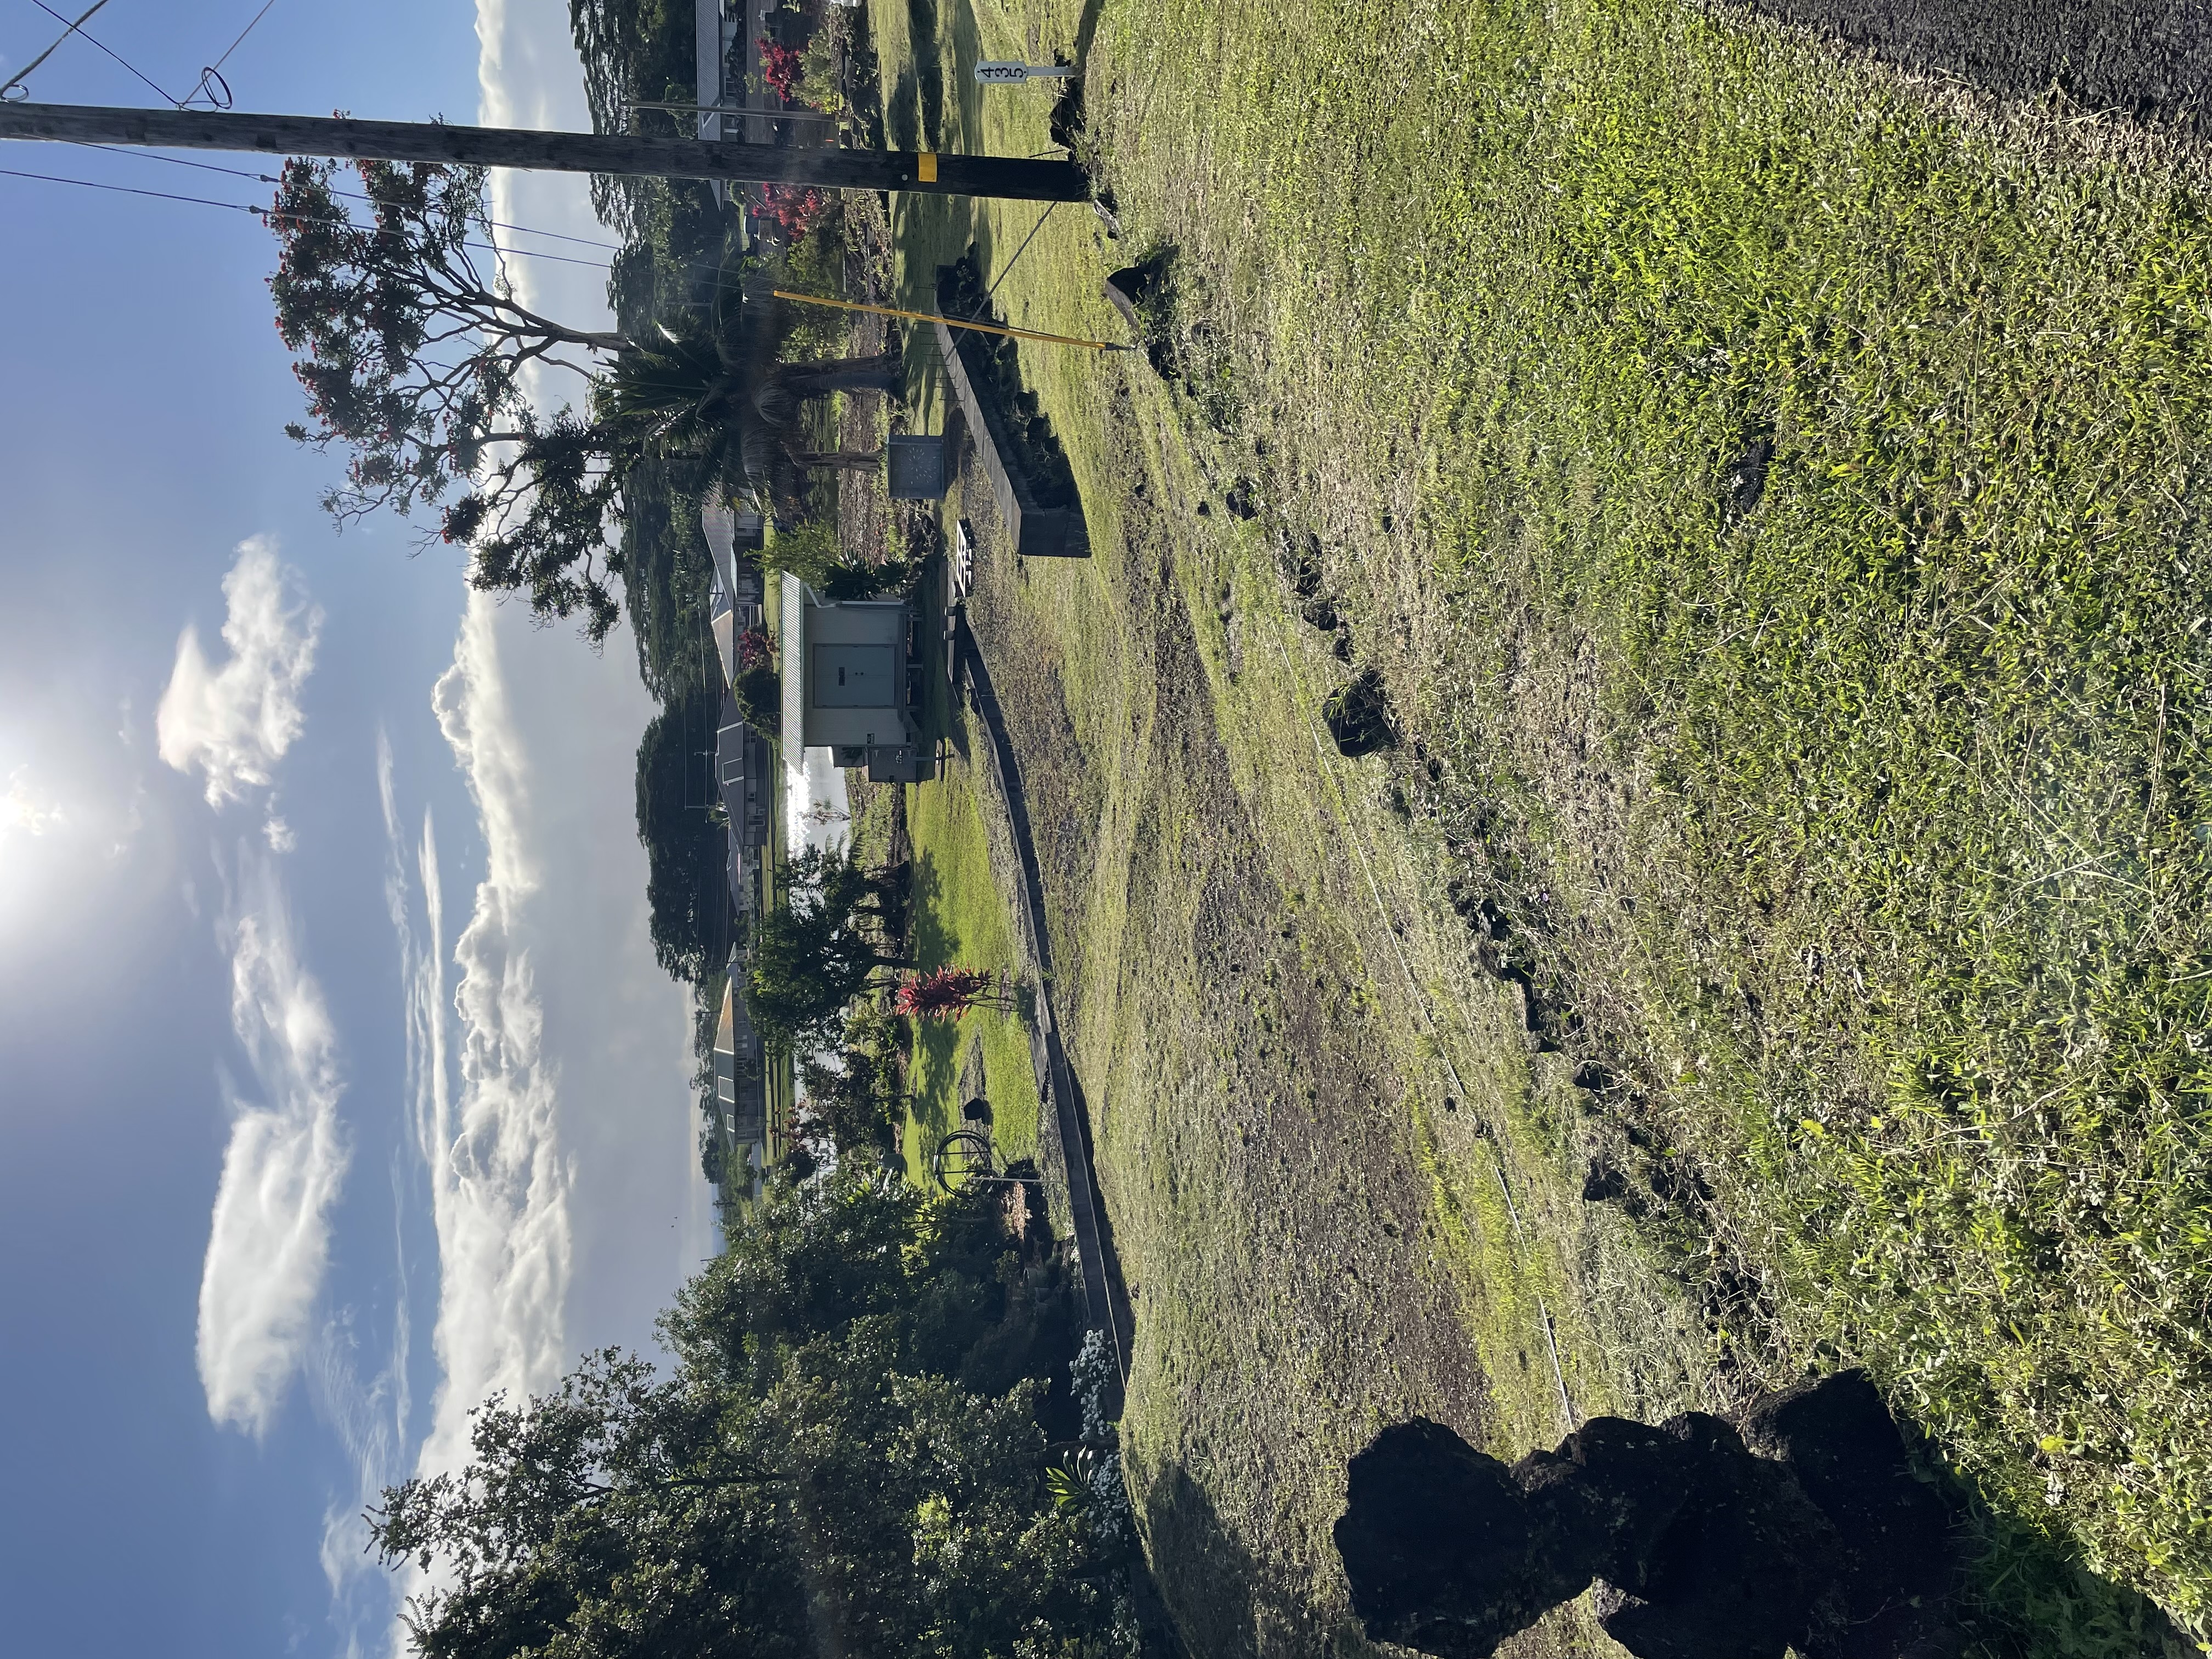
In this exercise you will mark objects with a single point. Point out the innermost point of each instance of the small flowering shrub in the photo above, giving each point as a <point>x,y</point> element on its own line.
<point>792,209</point>
<point>943,993</point>
<point>782,68</point>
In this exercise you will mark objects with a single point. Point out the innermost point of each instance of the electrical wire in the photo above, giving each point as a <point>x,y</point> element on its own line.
<point>264,213</point>
<point>211,73</point>
<point>242,34</point>
<point>353,195</point>
<point>17,85</point>
<point>75,29</point>
<point>1011,262</point>
<point>214,72</point>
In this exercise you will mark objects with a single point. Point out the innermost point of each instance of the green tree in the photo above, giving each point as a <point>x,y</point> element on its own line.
<point>623,1515</point>
<point>832,880</point>
<point>759,692</point>
<point>857,1099</point>
<point>633,51</point>
<point>847,1458</point>
<point>811,551</point>
<point>807,964</point>
<point>686,843</point>
<point>414,352</point>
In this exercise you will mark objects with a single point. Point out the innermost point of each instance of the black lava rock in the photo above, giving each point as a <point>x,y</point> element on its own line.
<point>1700,1546</point>
<point>1892,1588</point>
<point>1440,1547</point>
<point>1358,716</point>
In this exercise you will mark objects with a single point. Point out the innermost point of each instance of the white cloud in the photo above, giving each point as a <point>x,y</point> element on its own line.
<point>270,1240</point>
<point>279,835</point>
<point>499,1182</point>
<point>551,1100</point>
<point>233,722</point>
<point>370,1419</point>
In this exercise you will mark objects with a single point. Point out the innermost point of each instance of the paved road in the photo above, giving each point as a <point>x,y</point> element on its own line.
<point>2145,58</point>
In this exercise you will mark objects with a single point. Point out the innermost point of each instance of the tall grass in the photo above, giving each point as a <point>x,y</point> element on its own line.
<point>1831,453</point>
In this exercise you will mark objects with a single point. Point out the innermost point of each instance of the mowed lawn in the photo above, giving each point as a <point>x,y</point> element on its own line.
<point>1773,495</point>
<point>960,919</point>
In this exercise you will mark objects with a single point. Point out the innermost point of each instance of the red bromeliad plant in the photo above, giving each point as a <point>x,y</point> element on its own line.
<point>946,992</point>
<point>756,649</point>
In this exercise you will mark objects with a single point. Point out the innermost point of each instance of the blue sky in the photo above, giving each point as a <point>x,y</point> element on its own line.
<point>337,1082</point>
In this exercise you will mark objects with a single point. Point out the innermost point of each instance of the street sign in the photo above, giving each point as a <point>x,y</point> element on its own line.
<point>992,73</point>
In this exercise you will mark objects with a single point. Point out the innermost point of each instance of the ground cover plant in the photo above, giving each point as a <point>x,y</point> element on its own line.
<point>1768,492</point>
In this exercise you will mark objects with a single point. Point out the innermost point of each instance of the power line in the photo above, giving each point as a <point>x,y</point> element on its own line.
<point>75,28</point>
<point>17,85</point>
<point>239,40</point>
<point>262,212</point>
<point>353,195</point>
<point>211,73</point>
<point>124,189</point>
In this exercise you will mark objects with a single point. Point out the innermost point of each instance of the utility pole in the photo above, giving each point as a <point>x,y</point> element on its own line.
<point>924,171</point>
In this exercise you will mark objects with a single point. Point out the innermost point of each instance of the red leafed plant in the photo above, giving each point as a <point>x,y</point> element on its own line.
<point>756,649</point>
<point>945,993</point>
<point>791,208</point>
<point>781,68</point>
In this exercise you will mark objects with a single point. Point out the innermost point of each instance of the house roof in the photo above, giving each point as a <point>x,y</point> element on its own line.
<point>718,521</point>
<point>724,627</point>
<point>736,1024</point>
<point>733,759</point>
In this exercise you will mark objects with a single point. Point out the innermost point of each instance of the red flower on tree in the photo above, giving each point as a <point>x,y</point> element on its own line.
<point>781,68</point>
<point>791,208</point>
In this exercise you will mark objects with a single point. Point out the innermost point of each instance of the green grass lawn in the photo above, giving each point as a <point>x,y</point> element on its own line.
<point>960,918</point>
<point>1773,494</point>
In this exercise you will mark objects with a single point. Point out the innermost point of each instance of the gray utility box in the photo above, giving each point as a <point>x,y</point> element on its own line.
<point>917,468</point>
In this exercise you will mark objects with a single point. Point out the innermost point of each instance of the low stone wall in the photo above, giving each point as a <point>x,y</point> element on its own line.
<point>1036,531</point>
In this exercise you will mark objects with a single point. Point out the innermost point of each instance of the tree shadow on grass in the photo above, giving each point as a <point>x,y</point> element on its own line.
<point>2023,1593</point>
<point>1220,1595</point>
<point>2147,59</point>
<point>902,113</point>
<point>936,1042</point>
<point>928,69</point>
<point>967,93</point>
<point>1086,30</point>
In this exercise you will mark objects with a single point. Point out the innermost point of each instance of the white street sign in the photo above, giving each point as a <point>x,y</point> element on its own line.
<point>991,73</point>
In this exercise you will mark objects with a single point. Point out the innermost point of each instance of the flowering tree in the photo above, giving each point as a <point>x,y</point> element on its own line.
<point>781,68</point>
<point>792,209</point>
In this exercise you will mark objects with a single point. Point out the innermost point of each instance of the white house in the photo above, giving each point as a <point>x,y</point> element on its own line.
<point>849,675</point>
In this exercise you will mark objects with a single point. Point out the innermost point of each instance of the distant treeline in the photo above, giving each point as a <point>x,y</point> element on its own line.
<point>677,243</point>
